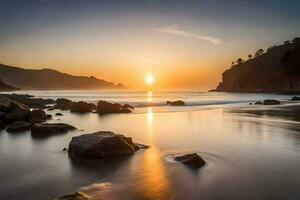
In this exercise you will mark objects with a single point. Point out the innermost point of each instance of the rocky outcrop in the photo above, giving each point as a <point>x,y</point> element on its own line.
<point>63,104</point>
<point>28,100</point>
<point>193,160</point>
<point>74,196</point>
<point>37,116</point>
<point>82,107</point>
<point>19,126</point>
<point>46,129</point>
<point>176,103</point>
<point>16,112</point>
<point>276,70</point>
<point>104,107</point>
<point>101,144</point>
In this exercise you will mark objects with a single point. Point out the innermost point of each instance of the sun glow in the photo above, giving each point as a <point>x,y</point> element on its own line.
<point>149,79</point>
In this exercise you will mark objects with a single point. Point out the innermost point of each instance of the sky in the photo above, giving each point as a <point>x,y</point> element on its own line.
<point>185,45</point>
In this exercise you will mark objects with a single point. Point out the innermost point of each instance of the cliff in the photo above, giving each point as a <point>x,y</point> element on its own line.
<point>49,79</point>
<point>276,70</point>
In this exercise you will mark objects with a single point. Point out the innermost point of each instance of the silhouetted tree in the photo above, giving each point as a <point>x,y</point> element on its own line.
<point>232,63</point>
<point>287,42</point>
<point>249,56</point>
<point>259,53</point>
<point>296,40</point>
<point>239,61</point>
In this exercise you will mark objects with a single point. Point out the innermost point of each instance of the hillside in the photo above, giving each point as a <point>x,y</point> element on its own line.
<point>4,87</point>
<point>49,79</point>
<point>276,70</point>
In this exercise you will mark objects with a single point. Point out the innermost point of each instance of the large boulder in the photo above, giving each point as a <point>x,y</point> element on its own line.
<point>82,107</point>
<point>176,103</point>
<point>63,104</point>
<point>19,126</point>
<point>74,196</point>
<point>193,160</point>
<point>45,129</point>
<point>101,144</point>
<point>104,107</point>
<point>17,112</point>
<point>37,116</point>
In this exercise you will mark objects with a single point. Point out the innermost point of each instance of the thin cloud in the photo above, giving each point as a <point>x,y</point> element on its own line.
<point>174,29</point>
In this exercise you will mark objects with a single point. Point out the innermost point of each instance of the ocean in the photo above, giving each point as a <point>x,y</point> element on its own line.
<point>251,151</point>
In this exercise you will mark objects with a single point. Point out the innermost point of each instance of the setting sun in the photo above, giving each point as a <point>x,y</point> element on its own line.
<point>149,79</point>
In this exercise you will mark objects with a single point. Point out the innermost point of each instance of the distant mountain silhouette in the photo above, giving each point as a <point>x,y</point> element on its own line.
<point>276,70</point>
<point>49,79</point>
<point>4,87</point>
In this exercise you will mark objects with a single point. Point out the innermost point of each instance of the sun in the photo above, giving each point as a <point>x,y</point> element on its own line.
<point>149,79</point>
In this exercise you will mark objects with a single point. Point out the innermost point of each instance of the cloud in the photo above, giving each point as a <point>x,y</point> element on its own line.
<point>174,29</point>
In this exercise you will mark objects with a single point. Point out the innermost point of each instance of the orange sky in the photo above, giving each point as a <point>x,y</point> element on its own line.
<point>184,44</point>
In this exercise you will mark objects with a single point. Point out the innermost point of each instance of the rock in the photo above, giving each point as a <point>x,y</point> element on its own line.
<point>74,196</point>
<point>50,109</point>
<point>258,103</point>
<point>101,144</point>
<point>128,106</point>
<point>92,106</point>
<point>193,160</point>
<point>17,112</point>
<point>4,106</point>
<point>271,102</point>
<point>64,149</point>
<point>45,129</point>
<point>2,115</point>
<point>18,126</point>
<point>37,116</point>
<point>49,116</point>
<point>141,146</point>
<point>295,98</point>
<point>2,125</point>
<point>176,103</point>
<point>63,104</point>
<point>82,107</point>
<point>58,114</point>
<point>104,107</point>
<point>29,100</point>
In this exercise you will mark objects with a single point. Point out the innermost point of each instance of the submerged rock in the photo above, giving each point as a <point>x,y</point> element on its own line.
<point>193,160</point>
<point>176,103</point>
<point>19,126</point>
<point>58,114</point>
<point>258,103</point>
<point>104,107</point>
<point>74,196</point>
<point>271,102</point>
<point>82,107</point>
<point>17,112</point>
<point>45,129</point>
<point>101,144</point>
<point>37,116</point>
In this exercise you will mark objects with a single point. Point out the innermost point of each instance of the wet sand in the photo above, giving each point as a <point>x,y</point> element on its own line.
<point>251,153</point>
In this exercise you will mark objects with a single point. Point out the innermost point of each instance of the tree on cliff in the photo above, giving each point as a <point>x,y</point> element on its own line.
<point>239,61</point>
<point>259,53</point>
